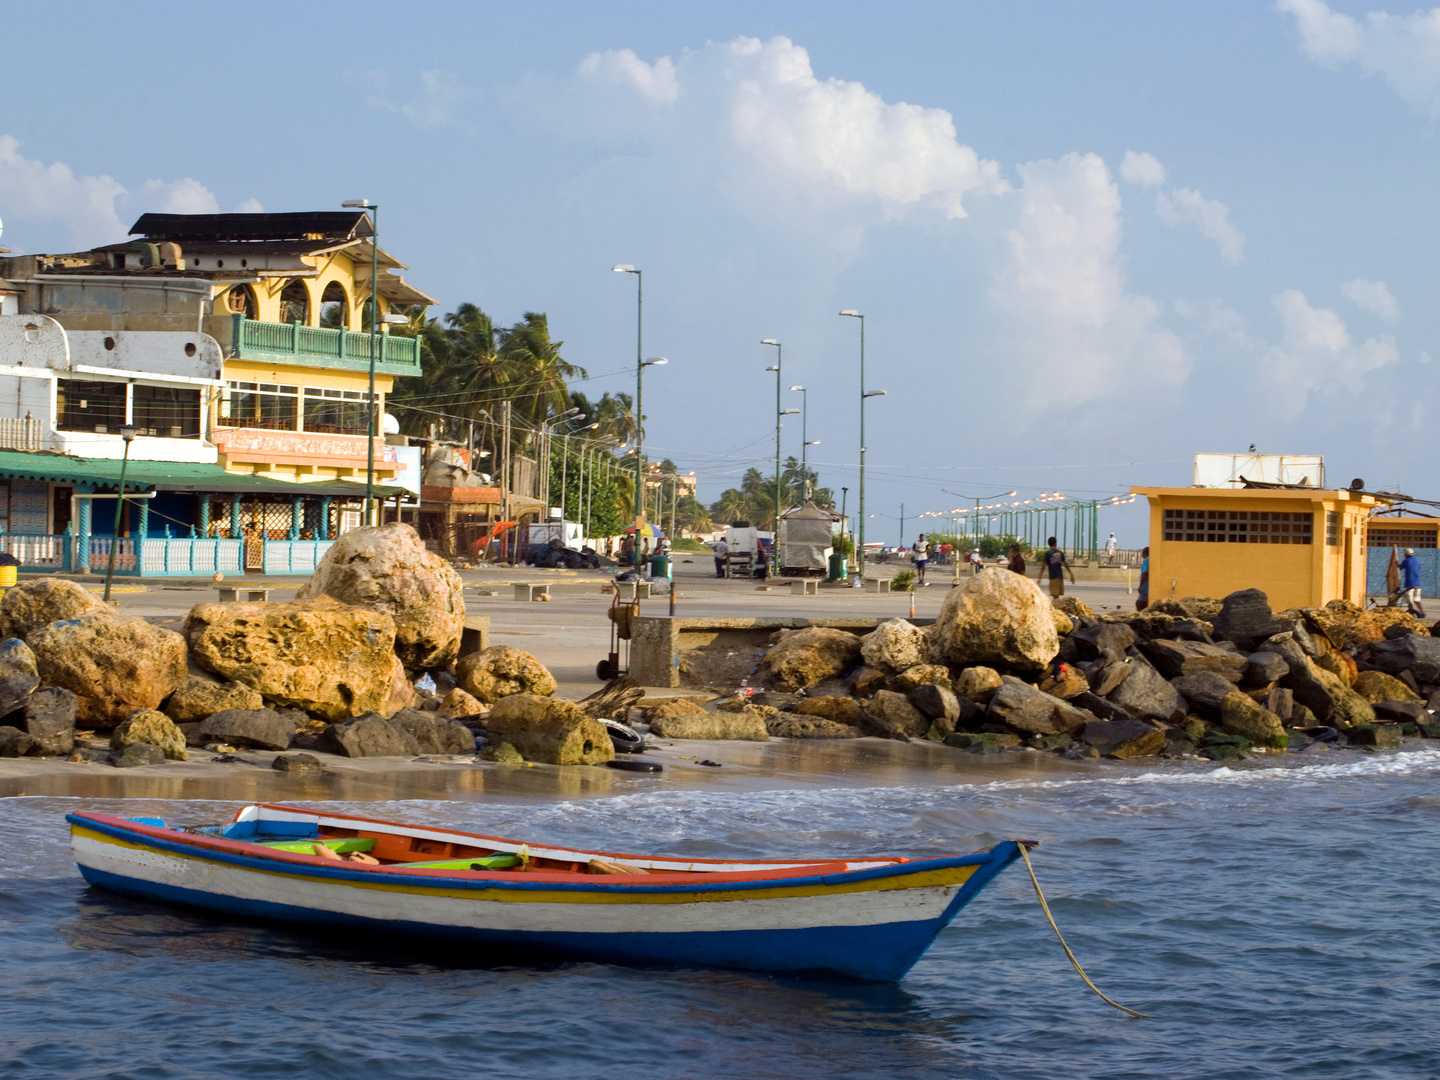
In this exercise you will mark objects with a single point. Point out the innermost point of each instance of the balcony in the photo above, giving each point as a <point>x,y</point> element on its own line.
<point>313,346</point>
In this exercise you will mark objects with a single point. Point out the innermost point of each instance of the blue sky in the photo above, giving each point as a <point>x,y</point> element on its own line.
<point>1089,239</point>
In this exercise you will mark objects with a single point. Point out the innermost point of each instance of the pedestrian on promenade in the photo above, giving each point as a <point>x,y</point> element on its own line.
<point>1142,601</point>
<point>721,550</point>
<point>627,551</point>
<point>1110,550</point>
<point>1017,560</point>
<point>976,562</point>
<point>922,556</point>
<point>1410,583</point>
<point>1054,561</point>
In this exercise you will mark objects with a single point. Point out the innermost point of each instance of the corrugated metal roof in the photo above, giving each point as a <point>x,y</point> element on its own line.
<point>104,474</point>
<point>332,224</point>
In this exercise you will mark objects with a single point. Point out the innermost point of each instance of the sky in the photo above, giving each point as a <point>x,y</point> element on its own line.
<point>1089,240</point>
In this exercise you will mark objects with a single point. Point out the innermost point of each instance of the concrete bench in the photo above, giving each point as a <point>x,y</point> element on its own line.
<point>531,590</point>
<point>243,594</point>
<point>630,591</point>
<point>882,584</point>
<point>805,587</point>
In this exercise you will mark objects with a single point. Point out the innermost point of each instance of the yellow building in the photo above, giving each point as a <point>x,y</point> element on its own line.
<point>1303,547</point>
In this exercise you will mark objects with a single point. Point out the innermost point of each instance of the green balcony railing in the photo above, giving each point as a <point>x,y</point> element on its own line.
<point>314,346</point>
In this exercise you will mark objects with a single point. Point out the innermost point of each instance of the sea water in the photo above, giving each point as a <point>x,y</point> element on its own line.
<point>1277,921</point>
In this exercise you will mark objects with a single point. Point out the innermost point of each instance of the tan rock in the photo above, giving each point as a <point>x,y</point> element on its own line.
<point>1239,715</point>
<point>1349,626</point>
<point>788,726</point>
<point>1063,624</point>
<point>114,666</point>
<point>319,655</point>
<point>806,658</point>
<point>500,671</point>
<point>155,728</point>
<point>840,710</point>
<point>866,681</point>
<point>1376,686</point>
<point>1339,664</point>
<point>33,604</point>
<point>459,703</point>
<point>978,683</point>
<point>921,675</point>
<point>895,645</point>
<point>686,720</point>
<point>550,730</point>
<point>1066,683</point>
<point>1073,606</point>
<point>388,568</point>
<point>897,711</point>
<point>197,697</point>
<point>997,619</point>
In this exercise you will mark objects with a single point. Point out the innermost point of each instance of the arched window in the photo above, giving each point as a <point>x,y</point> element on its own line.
<point>240,300</point>
<point>335,307</point>
<point>295,303</point>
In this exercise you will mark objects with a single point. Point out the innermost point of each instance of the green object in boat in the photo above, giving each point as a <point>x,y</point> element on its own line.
<point>489,862</point>
<point>307,847</point>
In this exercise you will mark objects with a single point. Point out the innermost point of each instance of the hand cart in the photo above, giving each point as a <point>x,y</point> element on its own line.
<point>621,614</point>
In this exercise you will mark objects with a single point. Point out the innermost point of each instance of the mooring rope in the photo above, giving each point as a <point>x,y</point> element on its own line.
<point>1039,895</point>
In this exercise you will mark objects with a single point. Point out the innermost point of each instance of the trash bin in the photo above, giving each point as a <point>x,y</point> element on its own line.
<point>660,566</point>
<point>839,566</point>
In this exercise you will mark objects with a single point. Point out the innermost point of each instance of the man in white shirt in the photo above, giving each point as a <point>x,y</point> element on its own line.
<point>721,550</point>
<point>1110,550</point>
<point>921,554</point>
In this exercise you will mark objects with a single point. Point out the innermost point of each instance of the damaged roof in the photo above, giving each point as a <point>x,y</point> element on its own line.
<point>308,225</point>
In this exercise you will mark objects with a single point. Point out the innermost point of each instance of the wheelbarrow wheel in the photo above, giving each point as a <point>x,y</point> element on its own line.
<point>606,670</point>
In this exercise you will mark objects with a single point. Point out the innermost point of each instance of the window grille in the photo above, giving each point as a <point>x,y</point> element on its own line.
<point>1239,526</point>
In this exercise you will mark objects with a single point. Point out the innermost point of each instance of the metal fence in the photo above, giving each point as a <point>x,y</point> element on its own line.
<point>1377,561</point>
<point>160,557</point>
<point>293,556</point>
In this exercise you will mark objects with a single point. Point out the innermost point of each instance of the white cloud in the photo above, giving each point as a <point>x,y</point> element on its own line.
<point>249,206</point>
<point>1210,217</point>
<point>1404,50</point>
<point>1315,354</point>
<point>32,192</point>
<point>818,138</point>
<point>439,103</point>
<point>1142,169</point>
<point>182,197</point>
<point>1373,296</point>
<point>1068,318</point>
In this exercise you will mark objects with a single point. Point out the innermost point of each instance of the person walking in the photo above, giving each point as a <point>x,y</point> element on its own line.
<point>1142,601</point>
<point>721,550</point>
<point>976,562</point>
<point>1017,560</point>
<point>1054,561</point>
<point>1410,583</point>
<point>1110,550</point>
<point>921,552</point>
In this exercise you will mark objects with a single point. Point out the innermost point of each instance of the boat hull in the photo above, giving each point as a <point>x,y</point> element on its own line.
<point>870,924</point>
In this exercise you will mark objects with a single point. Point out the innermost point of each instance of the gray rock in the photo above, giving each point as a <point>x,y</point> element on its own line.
<point>138,754</point>
<point>1246,619</point>
<point>14,742</point>
<point>776,699</point>
<point>1145,693</point>
<point>1205,688</point>
<point>261,728</point>
<point>1177,658</point>
<point>1188,630</point>
<point>18,675</point>
<point>1264,668</point>
<point>1101,637</point>
<point>1399,712</point>
<point>297,763</point>
<point>936,702</point>
<point>49,718</point>
<point>434,734</point>
<point>898,713</point>
<point>1123,738</point>
<point>370,736</point>
<point>1024,707</point>
<point>1099,706</point>
<point>1409,652</point>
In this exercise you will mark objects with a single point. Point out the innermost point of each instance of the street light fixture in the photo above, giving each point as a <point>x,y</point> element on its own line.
<point>640,365</point>
<point>860,547</point>
<point>127,432</point>
<point>374,209</point>
<point>779,361</point>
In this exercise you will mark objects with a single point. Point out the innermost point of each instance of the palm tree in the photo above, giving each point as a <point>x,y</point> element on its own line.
<point>534,369</point>
<point>732,506</point>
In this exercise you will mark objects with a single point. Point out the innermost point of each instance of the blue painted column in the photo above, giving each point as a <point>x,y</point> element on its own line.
<point>297,511</point>
<point>142,526</point>
<point>82,519</point>
<point>202,516</point>
<point>235,517</point>
<point>324,531</point>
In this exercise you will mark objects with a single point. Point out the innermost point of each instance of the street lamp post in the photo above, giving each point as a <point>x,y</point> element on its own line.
<point>127,432</point>
<point>860,546</point>
<point>640,365</point>
<point>779,362</point>
<point>374,209</point>
<point>805,441</point>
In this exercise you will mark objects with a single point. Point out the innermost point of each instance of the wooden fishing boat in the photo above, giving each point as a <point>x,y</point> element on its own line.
<point>864,918</point>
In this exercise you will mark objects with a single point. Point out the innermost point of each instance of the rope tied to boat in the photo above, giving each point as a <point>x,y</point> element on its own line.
<point>1024,846</point>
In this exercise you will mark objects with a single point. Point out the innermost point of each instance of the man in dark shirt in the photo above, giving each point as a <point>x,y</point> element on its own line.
<point>1017,560</point>
<point>1410,583</point>
<point>1054,561</point>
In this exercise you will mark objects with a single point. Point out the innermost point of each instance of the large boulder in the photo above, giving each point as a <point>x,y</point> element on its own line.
<point>978,684</point>
<point>370,735</point>
<point>320,655</point>
<point>898,714</point>
<point>33,604</point>
<point>551,730</point>
<point>49,719</point>
<point>265,729</point>
<point>1024,707</point>
<point>1176,658</point>
<point>895,645</point>
<point>921,675</point>
<point>939,703</point>
<point>687,720</point>
<point>805,658</point>
<point>840,710</point>
<point>458,703</point>
<point>1409,652</point>
<point>388,568</point>
<point>1320,691</point>
<point>1246,619</point>
<point>1122,738</point>
<point>1146,694</point>
<point>1376,686</point>
<point>1001,619</point>
<point>153,727</point>
<point>198,697</point>
<point>114,666</point>
<point>1350,626</point>
<point>1206,688</point>
<point>501,671</point>
<point>789,726</point>
<point>18,674</point>
<point>434,734</point>
<point>1239,715</point>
